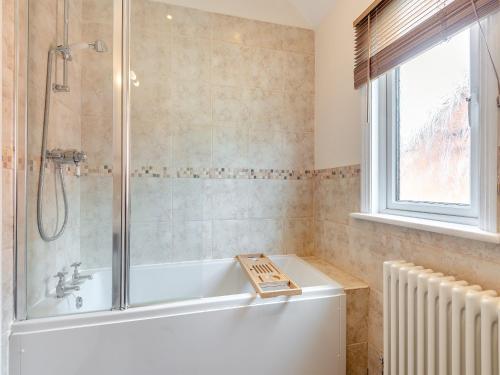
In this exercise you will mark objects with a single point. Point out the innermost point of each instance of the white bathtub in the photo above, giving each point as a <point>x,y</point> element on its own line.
<point>209,321</point>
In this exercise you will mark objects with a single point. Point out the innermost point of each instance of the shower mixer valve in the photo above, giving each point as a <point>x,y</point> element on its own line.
<point>61,157</point>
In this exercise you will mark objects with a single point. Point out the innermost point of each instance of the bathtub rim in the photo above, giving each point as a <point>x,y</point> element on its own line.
<point>166,309</point>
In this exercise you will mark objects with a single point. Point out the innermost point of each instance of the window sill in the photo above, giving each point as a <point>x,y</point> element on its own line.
<point>450,229</point>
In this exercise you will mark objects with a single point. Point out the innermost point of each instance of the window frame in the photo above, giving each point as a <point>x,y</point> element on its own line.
<point>388,133</point>
<point>483,139</point>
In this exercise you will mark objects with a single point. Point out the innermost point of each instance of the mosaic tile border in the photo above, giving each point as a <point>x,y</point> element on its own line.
<point>7,158</point>
<point>187,172</point>
<point>223,173</point>
<point>349,171</point>
<point>217,173</point>
<point>338,172</point>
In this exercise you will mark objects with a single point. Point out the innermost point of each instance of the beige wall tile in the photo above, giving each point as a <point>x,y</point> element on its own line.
<point>192,240</point>
<point>192,147</point>
<point>298,196</point>
<point>191,59</point>
<point>264,68</point>
<point>375,365</point>
<point>229,199</point>
<point>190,22</point>
<point>150,243</point>
<point>231,106</point>
<point>96,199</point>
<point>265,235</point>
<point>100,11</point>
<point>150,143</point>
<point>151,199</point>
<point>191,103</point>
<point>191,199</point>
<point>249,32</point>
<point>298,236</point>
<point>299,72</point>
<point>357,361</point>
<point>297,151</point>
<point>265,109</point>
<point>151,101</point>
<point>357,315</point>
<point>264,148</point>
<point>266,199</point>
<point>229,237</point>
<point>298,40</point>
<point>228,64</point>
<point>96,244</point>
<point>151,53</point>
<point>230,147</point>
<point>7,209</point>
<point>97,127</point>
<point>298,111</point>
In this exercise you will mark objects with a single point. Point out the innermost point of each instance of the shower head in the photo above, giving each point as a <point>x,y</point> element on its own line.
<point>98,46</point>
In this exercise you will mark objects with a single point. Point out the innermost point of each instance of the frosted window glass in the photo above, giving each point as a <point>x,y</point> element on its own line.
<point>433,135</point>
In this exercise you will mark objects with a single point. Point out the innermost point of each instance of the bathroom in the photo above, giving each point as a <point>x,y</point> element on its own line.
<point>154,151</point>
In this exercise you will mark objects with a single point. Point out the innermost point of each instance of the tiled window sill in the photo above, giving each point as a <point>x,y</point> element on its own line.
<point>450,229</point>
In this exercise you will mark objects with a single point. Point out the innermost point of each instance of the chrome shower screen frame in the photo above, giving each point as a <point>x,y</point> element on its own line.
<point>121,177</point>
<point>121,155</point>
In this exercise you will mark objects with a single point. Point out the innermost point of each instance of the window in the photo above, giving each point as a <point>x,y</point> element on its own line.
<point>430,146</point>
<point>429,125</point>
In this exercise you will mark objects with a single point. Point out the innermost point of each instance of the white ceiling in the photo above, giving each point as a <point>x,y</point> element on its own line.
<point>299,13</point>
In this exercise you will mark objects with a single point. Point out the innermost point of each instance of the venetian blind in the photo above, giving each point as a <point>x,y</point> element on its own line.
<point>390,32</point>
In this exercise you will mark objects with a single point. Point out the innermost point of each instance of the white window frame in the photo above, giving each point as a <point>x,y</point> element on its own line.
<point>484,121</point>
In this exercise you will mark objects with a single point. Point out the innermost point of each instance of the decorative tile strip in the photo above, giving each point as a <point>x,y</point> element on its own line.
<point>90,170</point>
<point>213,173</point>
<point>7,158</point>
<point>222,173</point>
<point>339,172</point>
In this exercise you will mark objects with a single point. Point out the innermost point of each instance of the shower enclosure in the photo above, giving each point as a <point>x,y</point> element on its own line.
<point>151,134</point>
<point>69,65</point>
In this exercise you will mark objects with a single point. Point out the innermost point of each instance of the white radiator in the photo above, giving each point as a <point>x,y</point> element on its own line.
<point>437,325</point>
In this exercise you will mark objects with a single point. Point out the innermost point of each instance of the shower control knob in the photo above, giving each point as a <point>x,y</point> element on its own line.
<point>79,156</point>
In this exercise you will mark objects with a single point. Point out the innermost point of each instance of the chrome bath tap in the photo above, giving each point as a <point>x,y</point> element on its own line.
<point>62,289</point>
<point>77,277</point>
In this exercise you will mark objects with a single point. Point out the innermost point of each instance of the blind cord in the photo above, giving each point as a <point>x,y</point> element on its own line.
<point>487,49</point>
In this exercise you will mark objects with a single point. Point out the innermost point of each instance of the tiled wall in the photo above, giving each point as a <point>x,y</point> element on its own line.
<point>361,247</point>
<point>221,139</point>
<point>97,133</point>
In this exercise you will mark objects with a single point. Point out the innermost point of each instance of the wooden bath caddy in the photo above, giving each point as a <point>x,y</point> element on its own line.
<point>266,277</point>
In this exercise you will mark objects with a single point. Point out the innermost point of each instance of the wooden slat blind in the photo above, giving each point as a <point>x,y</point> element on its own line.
<point>391,32</point>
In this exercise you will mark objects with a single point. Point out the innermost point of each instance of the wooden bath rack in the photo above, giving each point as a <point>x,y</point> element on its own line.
<point>266,277</point>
